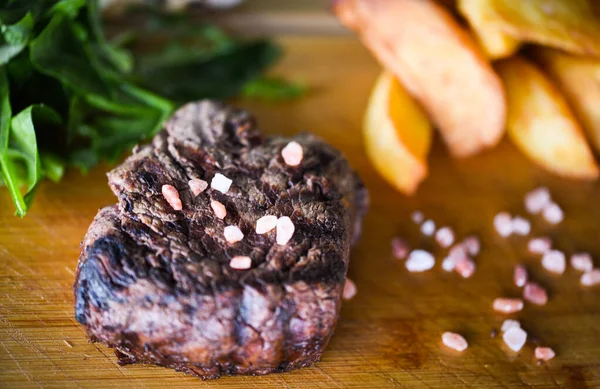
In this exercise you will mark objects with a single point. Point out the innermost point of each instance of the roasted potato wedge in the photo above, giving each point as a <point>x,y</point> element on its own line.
<point>579,80</point>
<point>493,41</point>
<point>570,25</point>
<point>438,62</point>
<point>397,135</point>
<point>541,123</point>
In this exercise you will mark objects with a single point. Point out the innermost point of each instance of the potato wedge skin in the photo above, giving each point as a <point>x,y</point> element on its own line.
<point>541,123</point>
<point>579,79</point>
<point>397,135</point>
<point>493,41</point>
<point>438,62</point>
<point>570,25</point>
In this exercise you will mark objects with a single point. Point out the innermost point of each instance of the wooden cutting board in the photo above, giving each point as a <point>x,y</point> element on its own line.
<point>389,335</point>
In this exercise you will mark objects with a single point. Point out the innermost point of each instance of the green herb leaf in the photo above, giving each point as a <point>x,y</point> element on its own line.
<point>122,60</point>
<point>61,52</point>
<point>53,166</point>
<point>23,139</point>
<point>273,89</point>
<point>222,76</point>
<point>15,36</point>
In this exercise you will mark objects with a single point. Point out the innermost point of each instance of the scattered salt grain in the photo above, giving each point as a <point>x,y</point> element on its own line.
<point>536,200</point>
<point>582,262</point>
<point>472,245</point>
<point>197,186</point>
<point>507,305</point>
<point>521,226</point>
<point>515,338</point>
<point>552,213</point>
<point>233,234</point>
<point>444,237</point>
<point>219,209</point>
<point>172,196</point>
<point>465,267</point>
<point>554,261</point>
<point>544,353</point>
<point>240,262</point>
<point>448,264</point>
<point>400,248</point>
<point>349,289</point>
<point>503,224</point>
<point>520,275</point>
<point>285,230</point>
<point>539,245</point>
<point>458,252</point>
<point>428,227</point>
<point>454,341</point>
<point>535,294</point>
<point>266,224</point>
<point>292,154</point>
<point>419,261</point>
<point>417,217</point>
<point>509,323</point>
<point>221,183</point>
<point>591,278</point>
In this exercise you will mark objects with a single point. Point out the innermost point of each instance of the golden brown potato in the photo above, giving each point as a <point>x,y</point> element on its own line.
<point>541,123</point>
<point>570,25</point>
<point>438,62</point>
<point>494,42</point>
<point>579,80</point>
<point>397,135</point>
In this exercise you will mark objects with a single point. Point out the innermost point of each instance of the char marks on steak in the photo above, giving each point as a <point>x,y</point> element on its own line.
<point>156,284</point>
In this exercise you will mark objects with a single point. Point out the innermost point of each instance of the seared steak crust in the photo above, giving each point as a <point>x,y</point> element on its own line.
<point>155,283</point>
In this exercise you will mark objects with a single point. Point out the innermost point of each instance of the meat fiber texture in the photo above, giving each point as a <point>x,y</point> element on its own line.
<point>156,284</point>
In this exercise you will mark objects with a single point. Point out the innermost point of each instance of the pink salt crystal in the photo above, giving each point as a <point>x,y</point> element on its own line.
<point>539,245</point>
<point>444,236</point>
<point>419,261</point>
<point>544,353</point>
<point>349,289</point>
<point>536,200</point>
<point>458,252</point>
<point>515,338</point>
<point>417,217</point>
<point>554,261</point>
<point>449,263</point>
<point>219,209</point>
<point>292,154</point>
<point>591,278</point>
<point>582,262</point>
<point>428,227</point>
<point>465,267</point>
<point>552,213</point>
<point>520,275</point>
<point>221,183</point>
<point>454,341</point>
<point>535,294</point>
<point>233,234</point>
<point>507,305</point>
<point>197,186</point>
<point>400,248</point>
<point>266,224</point>
<point>521,226</point>
<point>503,224</point>
<point>240,262</point>
<point>472,245</point>
<point>509,323</point>
<point>172,196</point>
<point>285,230</point>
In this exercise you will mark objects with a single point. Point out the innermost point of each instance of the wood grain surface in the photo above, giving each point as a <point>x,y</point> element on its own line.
<point>389,335</point>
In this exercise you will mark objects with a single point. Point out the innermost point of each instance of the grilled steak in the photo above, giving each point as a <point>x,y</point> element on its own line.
<point>157,283</point>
